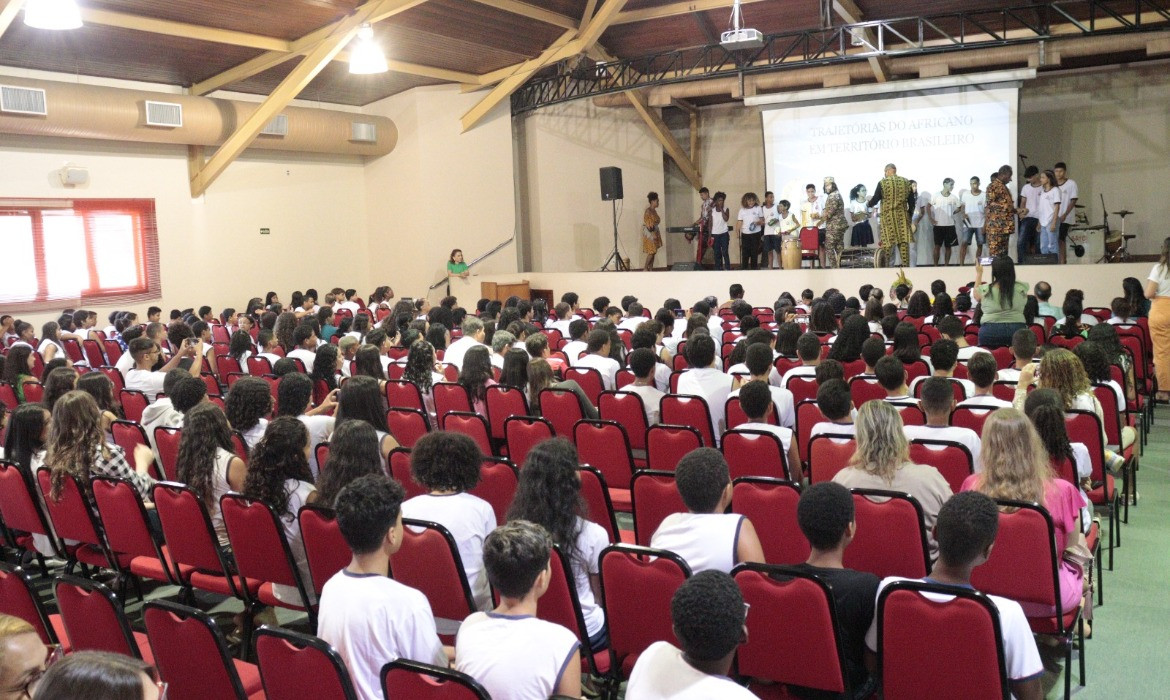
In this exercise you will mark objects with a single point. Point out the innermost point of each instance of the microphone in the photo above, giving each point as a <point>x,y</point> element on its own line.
<point>1024,156</point>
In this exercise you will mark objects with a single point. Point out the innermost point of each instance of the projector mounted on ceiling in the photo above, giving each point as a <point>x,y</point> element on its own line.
<point>738,37</point>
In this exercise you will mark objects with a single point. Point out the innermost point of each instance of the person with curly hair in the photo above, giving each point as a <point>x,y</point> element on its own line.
<point>247,406</point>
<point>549,494</point>
<point>847,345</point>
<point>423,371</point>
<point>294,395</point>
<point>207,463</point>
<point>77,447</point>
<point>447,465</point>
<point>278,476</point>
<point>283,331</point>
<point>353,453</point>
<point>476,376</point>
<point>362,399</point>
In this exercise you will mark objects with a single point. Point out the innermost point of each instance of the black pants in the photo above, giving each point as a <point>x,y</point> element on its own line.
<point>750,250</point>
<point>1029,238</point>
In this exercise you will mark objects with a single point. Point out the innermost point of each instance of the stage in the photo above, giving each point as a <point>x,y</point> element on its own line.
<point>761,287</point>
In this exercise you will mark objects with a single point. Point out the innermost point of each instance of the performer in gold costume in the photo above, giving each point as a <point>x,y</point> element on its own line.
<point>895,215</point>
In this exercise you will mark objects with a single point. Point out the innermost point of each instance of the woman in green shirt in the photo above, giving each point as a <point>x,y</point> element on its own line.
<point>1002,303</point>
<point>456,268</point>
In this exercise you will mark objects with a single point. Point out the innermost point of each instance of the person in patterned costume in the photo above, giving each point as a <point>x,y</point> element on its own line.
<point>836,223</point>
<point>999,221</point>
<point>895,215</point>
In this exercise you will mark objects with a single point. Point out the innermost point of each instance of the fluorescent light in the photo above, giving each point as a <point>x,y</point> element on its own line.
<point>366,57</point>
<point>52,14</point>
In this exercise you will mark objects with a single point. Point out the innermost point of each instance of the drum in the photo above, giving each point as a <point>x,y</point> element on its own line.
<point>790,253</point>
<point>1113,241</point>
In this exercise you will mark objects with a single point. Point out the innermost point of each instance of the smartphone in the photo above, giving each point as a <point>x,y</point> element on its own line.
<point>985,261</point>
<point>680,313</point>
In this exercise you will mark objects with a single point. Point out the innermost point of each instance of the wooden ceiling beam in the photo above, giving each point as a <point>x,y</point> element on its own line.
<point>539,14</point>
<point>663,135</point>
<point>590,6</point>
<point>271,59</point>
<point>314,62</point>
<point>8,12</point>
<point>851,13</point>
<point>183,30</point>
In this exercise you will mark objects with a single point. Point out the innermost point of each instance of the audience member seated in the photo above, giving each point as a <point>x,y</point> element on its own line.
<point>1043,407</point>
<point>368,617</point>
<point>882,461</point>
<point>361,399</point>
<point>705,380</point>
<point>647,337</point>
<point>952,328</point>
<point>207,462</point>
<point>938,399</point>
<point>981,371</point>
<point>295,398</point>
<point>872,350</point>
<point>23,657</point>
<point>758,403</point>
<point>759,336</point>
<point>891,374</point>
<point>578,330</point>
<point>759,365</point>
<point>476,376</point>
<point>708,614</point>
<point>145,351</point>
<point>836,405</point>
<point>597,357</point>
<point>510,651</point>
<point>537,348</point>
<point>643,363</point>
<point>540,376</point>
<point>305,338</point>
<point>163,413</point>
<point>502,342</point>
<point>473,335</point>
<point>97,674</point>
<point>77,447</point>
<point>808,349</point>
<point>906,347</point>
<point>707,537</point>
<point>247,406</point>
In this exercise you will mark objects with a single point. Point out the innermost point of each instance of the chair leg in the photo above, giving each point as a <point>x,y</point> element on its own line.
<point>1068,648</point>
<point>1100,579</point>
<point>44,566</point>
<point>1081,655</point>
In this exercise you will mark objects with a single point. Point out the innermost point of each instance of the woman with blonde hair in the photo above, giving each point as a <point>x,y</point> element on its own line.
<point>1016,467</point>
<point>882,461</point>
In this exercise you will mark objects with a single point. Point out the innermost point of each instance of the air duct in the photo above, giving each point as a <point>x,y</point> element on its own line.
<point>116,114</point>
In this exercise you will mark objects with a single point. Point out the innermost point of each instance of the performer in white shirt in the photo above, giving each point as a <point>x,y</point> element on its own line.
<point>942,209</point>
<point>974,202</point>
<point>1068,203</point>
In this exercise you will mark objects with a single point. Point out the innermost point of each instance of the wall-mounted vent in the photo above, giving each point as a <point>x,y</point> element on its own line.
<point>22,100</point>
<point>168,114</point>
<point>363,132</point>
<point>277,127</point>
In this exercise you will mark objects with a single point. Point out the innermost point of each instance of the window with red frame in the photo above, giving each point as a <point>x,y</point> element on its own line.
<point>91,250</point>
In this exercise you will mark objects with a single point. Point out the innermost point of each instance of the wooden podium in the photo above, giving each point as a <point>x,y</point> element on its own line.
<point>500,292</point>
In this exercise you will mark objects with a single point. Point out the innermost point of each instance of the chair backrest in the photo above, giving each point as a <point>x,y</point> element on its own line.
<point>124,520</point>
<point>805,650</point>
<point>595,491</point>
<point>450,396</point>
<point>523,433</point>
<point>93,617</point>
<point>655,496</point>
<point>404,394</point>
<point>133,404</point>
<point>970,417</point>
<point>34,392</point>
<point>93,353</point>
<point>470,424</point>
<point>259,545</point>
<point>808,240</point>
<point>561,408</point>
<point>922,628</point>
<point>589,379</point>
<point>802,388</point>
<point>915,369</point>
<point>891,538</point>
<point>326,551</point>
<point>113,351</point>
<point>667,444</point>
<point>952,459</point>
<point>407,425</point>
<point>911,414</point>
<point>770,504</point>
<point>863,389</point>
<point>166,441</point>
<point>225,366</point>
<point>19,598</point>
<point>624,377</point>
<point>808,414</point>
<point>399,462</point>
<point>190,653</point>
<point>1086,427</point>
<point>754,453</point>
<point>1003,389</point>
<point>187,529</point>
<point>8,396</point>
<point>20,508</point>
<point>1024,564</point>
<point>604,444</point>
<point>637,584</point>
<point>503,402</point>
<point>682,409</point>
<point>429,562</point>
<point>128,435</point>
<point>1112,412</point>
<point>627,409</point>
<point>70,514</point>
<point>418,681</point>
<point>497,485</point>
<point>290,662</point>
<point>829,454</point>
<point>259,365</point>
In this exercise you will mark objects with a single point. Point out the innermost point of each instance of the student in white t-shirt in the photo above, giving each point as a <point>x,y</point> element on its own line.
<point>709,618</point>
<point>305,337</point>
<point>760,336</point>
<point>749,226</point>
<point>944,355</point>
<point>447,465</point>
<point>755,398</point>
<point>759,366</point>
<point>1068,201</point>
<point>512,653</point>
<point>707,537</point>
<point>836,405</point>
<point>369,618</point>
<point>942,209</point>
<point>981,370</point>
<point>643,364</point>
<point>703,379</point>
<point>966,528</point>
<point>578,329</point>
<point>1023,351</point>
<point>808,349</point>
<point>938,398</point>
<point>597,357</point>
<point>294,394</point>
<point>773,220</point>
<point>1049,213</point>
<point>145,352</point>
<point>891,374</point>
<point>974,205</point>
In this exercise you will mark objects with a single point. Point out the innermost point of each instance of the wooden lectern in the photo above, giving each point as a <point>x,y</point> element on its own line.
<point>500,292</point>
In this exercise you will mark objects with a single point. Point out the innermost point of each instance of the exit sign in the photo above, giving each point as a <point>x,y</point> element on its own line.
<point>265,231</point>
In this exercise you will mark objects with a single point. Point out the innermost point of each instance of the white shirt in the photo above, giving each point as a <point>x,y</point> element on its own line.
<point>985,401</point>
<point>497,360</point>
<point>562,325</point>
<point>319,427</point>
<point>718,225</point>
<point>973,207</point>
<point>372,620</point>
<point>572,349</point>
<point>1010,374</point>
<point>456,350</point>
<point>305,356</point>
<point>469,519</point>
<point>968,351</point>
<point>772,213</point>
<point>651,401</point>
<point>1160,276</point>
<point>662,673</point>
<point>943,208</point>
<point>351,306</point>
<point>515,657</point>
<point>252,435</point>
<point>1019,646</point>
<point>712,385</point>
<point>606,365</point>
<point>149,383</point>
<point>799,371</point>
<point>591,539</point>
<point>964,436</point>
<point>298,495</point>
<point>785,434</point>
<point>1031,195</point>
<point>703,540</point>
<point>774,377</point>
<point>1049,202</point>
<point>783,403</point>
<point>749,218</point>
<point>807,209</point>
<point>124,364</point>
<point>1069,192</point>
<point>830,428</point>
<point>631,323</point>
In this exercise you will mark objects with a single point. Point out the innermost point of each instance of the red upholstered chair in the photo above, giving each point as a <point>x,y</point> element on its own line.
<point>93,353</point>
<point>320,450</point>
<point>864,389</point>
<point>771,506</point>
<point>113,351</point>
<point>94,619</point>
<point>560,605</point>
<point>802,388</point>
<point>911,414</point>
<point>290,662</point>
<point>637,584</point>
<point>404,394</point>
<point>604,444</point>
<point>805,650</point>
<point>192,542</point>
<point>561,408</point>
<point>429,561</point>
<point>1067,343</point>
<point>891,539</point>
<point>923,627</point>
<point>128,435</point>
<point>808,414</point>
<point>399,462</point>
<point>829,454</point>
<point>680,409</point>
<point>655,496</point>
<point>19,598</point>
<point>8,396</point>
<point>667,444</point>
<point>915,369</point>
<point>166,441</point>
<point>596,494</point>
<point>192,657</point>
<point>1086,426</point>
<point>624,378</point>
<point>523,433</point>
<point>34,392</point>
<point>497,485</point>
<point>258,366</point>
<point>407,425</point>
<point>970,417</point>
<point>470,424</point>
<point>503,402</point>
<point>133,404</point>
<point>21,510</point>
<point>1005,390</point>
<point>589,379</point>
<point>325,549</point>
<point>952,459</point>
<point>73,519</point>
<point>809,245</point>
<point>754,453</point>
<point>628,410</point>
<point>450,397</point>
<point>418,681</point>
<point>127,530</point>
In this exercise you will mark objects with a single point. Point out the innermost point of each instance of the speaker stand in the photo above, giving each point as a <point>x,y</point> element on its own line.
<point>615,257</point>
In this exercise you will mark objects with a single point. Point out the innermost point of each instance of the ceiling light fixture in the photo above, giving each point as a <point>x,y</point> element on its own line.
<point>52,14</point>
<point>366,57</point>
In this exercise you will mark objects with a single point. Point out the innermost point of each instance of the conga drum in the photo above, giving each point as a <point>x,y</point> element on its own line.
<point>790,253</point>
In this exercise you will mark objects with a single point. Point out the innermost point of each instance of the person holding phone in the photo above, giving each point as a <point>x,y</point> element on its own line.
<point>1002,302</point>
<point>145,351</point>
